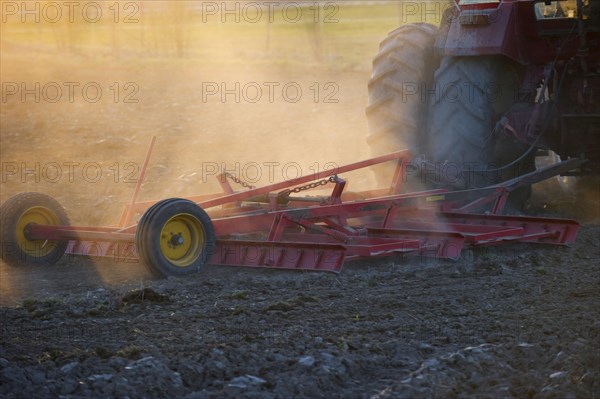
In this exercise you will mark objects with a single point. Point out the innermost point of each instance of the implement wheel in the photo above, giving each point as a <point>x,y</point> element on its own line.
<point>16,215</point>
<point>175,237</point>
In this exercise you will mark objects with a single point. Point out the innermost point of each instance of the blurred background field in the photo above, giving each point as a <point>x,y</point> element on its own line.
<point>152,61</point>
<point>336,34</point>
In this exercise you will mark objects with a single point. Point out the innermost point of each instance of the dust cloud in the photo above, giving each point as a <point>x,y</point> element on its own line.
<point>262,100</point>
<point>265,99</point>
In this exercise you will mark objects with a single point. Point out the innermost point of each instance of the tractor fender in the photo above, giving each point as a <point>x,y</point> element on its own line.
<point>480,32</point>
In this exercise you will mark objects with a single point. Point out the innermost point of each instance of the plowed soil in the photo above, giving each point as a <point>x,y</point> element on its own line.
<point>517,321</point>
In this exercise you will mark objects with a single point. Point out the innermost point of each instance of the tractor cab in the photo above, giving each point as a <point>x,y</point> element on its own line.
<point>567,12</point>
<point>556,9</point>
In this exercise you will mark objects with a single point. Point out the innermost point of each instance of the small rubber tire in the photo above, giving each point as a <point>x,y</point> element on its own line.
<point>175,237</point>
<point>16,214</point>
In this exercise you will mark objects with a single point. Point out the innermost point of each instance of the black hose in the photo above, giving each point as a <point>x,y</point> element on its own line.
<point>547,124</point>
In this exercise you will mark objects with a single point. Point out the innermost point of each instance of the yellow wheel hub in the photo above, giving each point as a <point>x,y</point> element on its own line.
<point>182,240</point>
<point>37,215</point>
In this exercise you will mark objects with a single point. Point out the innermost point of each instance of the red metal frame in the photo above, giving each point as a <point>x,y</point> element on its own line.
<point>254,229</point>
<point>558,52</point>
<point>510,28</point>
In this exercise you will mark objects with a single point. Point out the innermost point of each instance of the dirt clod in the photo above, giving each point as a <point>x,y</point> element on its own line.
<point>143,295</point>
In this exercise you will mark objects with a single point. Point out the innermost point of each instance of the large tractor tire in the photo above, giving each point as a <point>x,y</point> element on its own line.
<point>403,66</point>
<point>471,94</point>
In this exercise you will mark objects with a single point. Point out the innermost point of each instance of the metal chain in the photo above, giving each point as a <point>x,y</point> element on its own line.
<point>286,193</point>
<point>239,181</point>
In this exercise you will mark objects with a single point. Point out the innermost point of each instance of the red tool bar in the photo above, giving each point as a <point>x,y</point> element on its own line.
<point>559,231</point>
<point>472,233</point>
<point>404,155</point>
<point>128,215</point>
<point>262,221</point>
<point>118,252</point>
<point>446,245</point>
<point>42,232</point>
<point>279,255</point>
<point>361,245</point>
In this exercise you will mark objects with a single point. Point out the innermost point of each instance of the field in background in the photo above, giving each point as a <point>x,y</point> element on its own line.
<point>335,34</point>
<point>152,67</point>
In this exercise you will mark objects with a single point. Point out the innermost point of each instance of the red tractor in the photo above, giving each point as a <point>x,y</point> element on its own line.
<point>497,83</point>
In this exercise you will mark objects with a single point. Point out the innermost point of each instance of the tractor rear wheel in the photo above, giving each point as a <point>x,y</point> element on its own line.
<point>404,64</point>
<point>21,211</point>
<point>471,93</point>
<point>175,237</point>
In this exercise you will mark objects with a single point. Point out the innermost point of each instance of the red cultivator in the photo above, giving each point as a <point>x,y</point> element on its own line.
<point>274,227</point>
